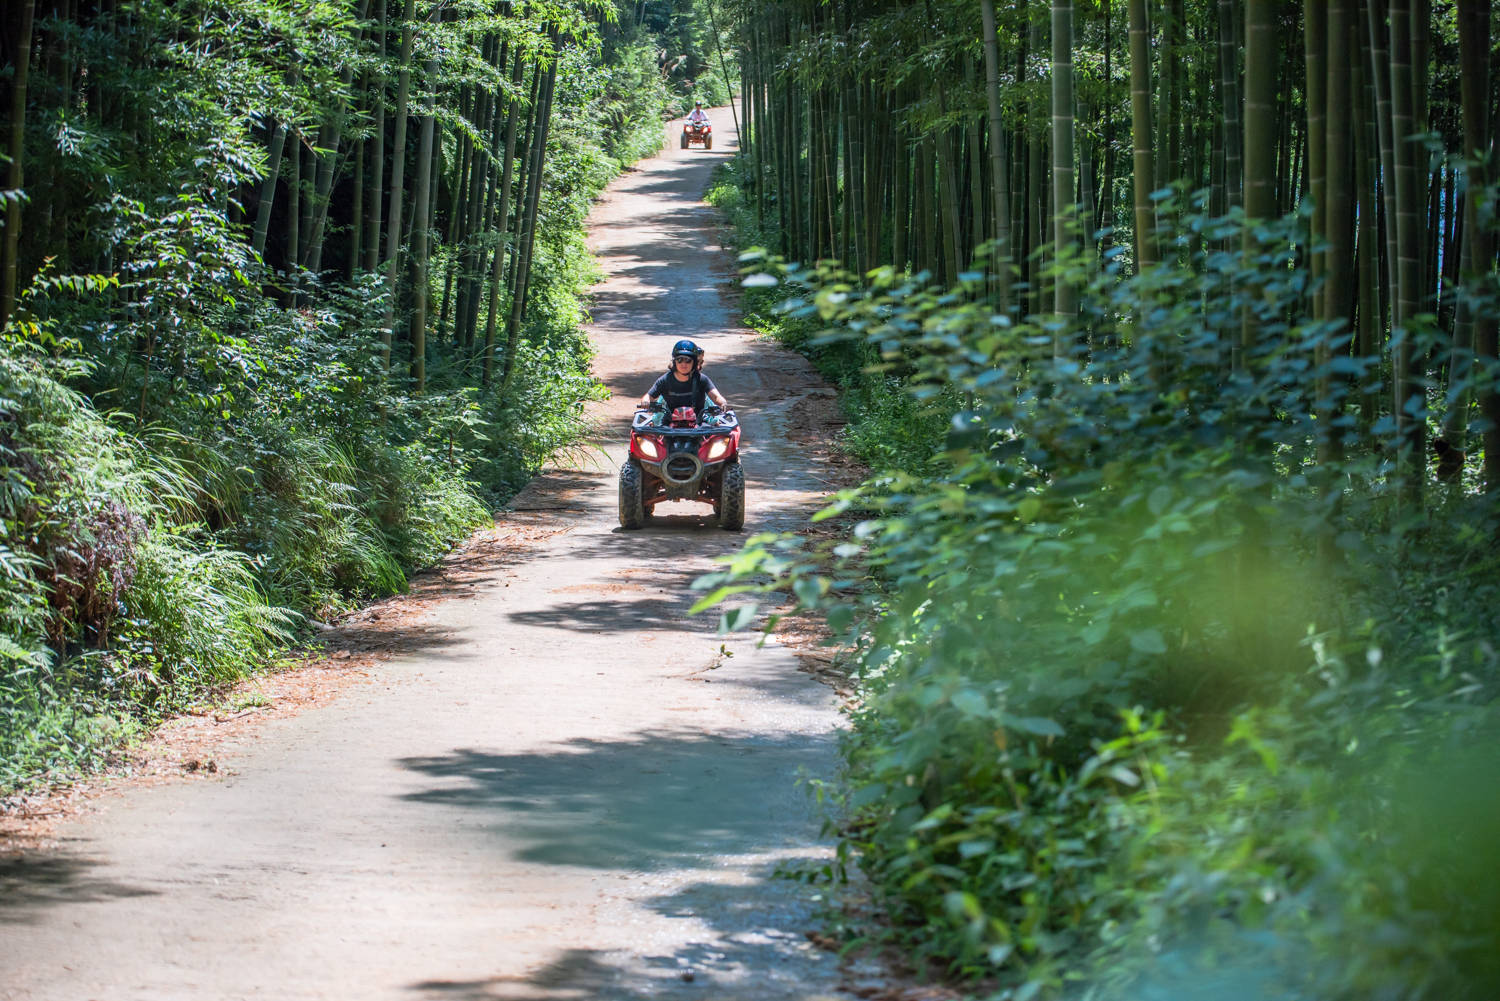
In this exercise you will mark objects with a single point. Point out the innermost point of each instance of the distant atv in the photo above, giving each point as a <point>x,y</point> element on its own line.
<point>682,458</point>
<point>697,135</point>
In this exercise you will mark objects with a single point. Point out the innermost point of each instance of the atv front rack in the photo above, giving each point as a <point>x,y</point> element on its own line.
<point>645,420</point>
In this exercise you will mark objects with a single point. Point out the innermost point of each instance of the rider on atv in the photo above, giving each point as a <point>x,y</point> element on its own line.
<point>697,116</point>
<point>679,452</point>
<point>684,384</point>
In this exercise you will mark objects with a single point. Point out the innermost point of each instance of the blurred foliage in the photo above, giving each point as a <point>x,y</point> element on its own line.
<point>1154,701</point>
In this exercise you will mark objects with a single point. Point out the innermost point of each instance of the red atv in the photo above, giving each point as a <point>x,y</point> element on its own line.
<point>700,135</point>
<point>683,458</point>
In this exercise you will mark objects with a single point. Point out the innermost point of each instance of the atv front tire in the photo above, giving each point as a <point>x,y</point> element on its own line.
<point>732,498</point>
<point>684,140</point>
<point>632,511</point>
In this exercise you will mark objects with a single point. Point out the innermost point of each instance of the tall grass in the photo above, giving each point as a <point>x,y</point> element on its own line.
<point>113,609</point>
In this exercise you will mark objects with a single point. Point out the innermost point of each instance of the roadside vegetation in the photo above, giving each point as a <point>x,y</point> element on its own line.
<point>1171,591</point>
<point>291,301</point>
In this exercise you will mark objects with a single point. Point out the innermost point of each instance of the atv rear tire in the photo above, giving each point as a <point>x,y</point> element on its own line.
<point>708,142</point>
<point>632,511</point>
<point>732,498</point>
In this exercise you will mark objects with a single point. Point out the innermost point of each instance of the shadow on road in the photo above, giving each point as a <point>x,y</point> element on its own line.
<point>665,800</point>
<point>29,885</point>
<point>752,955</point>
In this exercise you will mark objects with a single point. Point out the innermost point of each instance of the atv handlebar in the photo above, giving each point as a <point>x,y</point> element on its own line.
<point>722,421</point>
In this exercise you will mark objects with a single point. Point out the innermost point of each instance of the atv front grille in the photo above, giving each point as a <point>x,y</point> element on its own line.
<point>681,468</point>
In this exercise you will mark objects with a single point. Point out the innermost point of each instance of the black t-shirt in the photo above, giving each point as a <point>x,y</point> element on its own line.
<point>682,392</point>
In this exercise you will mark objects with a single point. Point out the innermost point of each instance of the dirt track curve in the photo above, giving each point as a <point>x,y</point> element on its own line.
<point>553,784</point>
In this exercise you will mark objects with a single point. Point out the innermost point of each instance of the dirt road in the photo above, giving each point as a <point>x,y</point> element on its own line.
<point>559,787</point>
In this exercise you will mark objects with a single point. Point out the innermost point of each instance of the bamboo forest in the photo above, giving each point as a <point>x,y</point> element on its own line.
<point>1164,336</point>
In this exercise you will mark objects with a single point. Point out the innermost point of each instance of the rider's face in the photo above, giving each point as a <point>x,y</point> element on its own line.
<point>683,363</point>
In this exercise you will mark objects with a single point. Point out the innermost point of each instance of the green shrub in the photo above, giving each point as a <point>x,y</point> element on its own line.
<point>111,613</point>
<point>195,616</point>
<point>1117,523</point>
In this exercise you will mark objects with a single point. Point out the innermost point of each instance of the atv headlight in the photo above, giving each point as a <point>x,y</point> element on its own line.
<point>650,448</point>
<point>717,450</point>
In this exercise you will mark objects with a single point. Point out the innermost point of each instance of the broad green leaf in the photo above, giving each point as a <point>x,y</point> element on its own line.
<point>1038,726</point>
<point>969,849</point>
<point>718,595</point>
<point>809,590</point>
<point>1148,641</point>
<point>1095,632</point>
<point>970,702</point>
<point>737,618</point>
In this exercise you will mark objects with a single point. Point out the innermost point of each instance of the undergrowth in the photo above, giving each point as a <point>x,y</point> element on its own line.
<point>1157,700</point>
<point>885,427</point>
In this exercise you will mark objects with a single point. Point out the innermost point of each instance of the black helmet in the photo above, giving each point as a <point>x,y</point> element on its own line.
<point>686,348</point>
<point>697,104</point>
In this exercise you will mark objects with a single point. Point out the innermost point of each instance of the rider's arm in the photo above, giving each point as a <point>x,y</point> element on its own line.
<point>656,390</point>
<point>718,397</point>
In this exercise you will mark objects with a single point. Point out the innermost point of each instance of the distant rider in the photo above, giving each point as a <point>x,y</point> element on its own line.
<point>684,384</point>
<point>697,116</point>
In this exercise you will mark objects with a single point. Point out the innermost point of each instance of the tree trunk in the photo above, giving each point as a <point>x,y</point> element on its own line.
<point>421,221</point>
<point>1367,238</point>
<point>1065,222</point>
<point>1261,59</point>
<point>1339,181</point>
<point>329,136</point>
<point>457,216</point>
<point>377,154</point>
<point>1409,407</point>
<point>1421,45</point>
<point>1315,54</point>
<point>999,167</point>
<point>268,189</point>
<point>1141,132</point>
<point>1474,47</point>
<point>294,209</point>
<point>1380,76</point>
<point>15,179</point>
<point>528,241</point>
<point>357,207</point>
<point>947,182</point>
<point>1230,103</point>
<point>901,210</point>
<point>924,219</point>
<point>1338,217</point>
<point>398,185</point>
<point>497,272</point>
